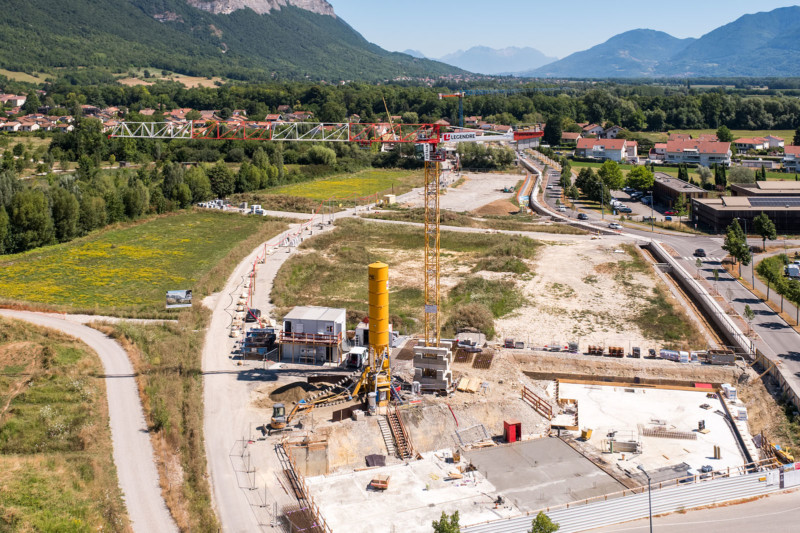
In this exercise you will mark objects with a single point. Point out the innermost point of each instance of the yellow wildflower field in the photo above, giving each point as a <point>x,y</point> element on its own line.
<point>129,267</point>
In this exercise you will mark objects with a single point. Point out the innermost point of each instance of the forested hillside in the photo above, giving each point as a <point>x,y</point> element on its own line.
<point>42,35</point>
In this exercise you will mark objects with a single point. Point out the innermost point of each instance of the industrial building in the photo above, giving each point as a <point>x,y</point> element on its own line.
<point>667,189</point>
<point>780,200</point>
<point>313,335</point>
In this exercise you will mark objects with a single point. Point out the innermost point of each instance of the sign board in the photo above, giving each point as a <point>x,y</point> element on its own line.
<point>176,299</point>
<point>430,308</point>
<point>524,199</point>
<point>456,137</point>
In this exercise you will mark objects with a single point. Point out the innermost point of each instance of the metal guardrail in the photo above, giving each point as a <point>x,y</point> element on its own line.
<point>634,506</point>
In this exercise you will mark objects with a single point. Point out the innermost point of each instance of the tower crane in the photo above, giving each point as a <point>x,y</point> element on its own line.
<point>477,92</point>
<point>427,136</point>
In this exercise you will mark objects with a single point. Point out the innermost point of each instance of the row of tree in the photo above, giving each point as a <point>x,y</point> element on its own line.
<point>636,108</point>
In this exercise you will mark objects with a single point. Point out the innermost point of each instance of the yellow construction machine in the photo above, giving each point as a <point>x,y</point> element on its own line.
<point>280,421</point>
<point>783,455</point>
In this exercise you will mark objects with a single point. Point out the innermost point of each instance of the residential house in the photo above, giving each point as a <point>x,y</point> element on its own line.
<point>11,126</point>
<point>774,142</point>
<point>632,152</point>
<point>300,116</point>
<point>209,115</point>
<point>284,109</point>
<point>698,152</point>
<point>791,158</point>
<point>472,121</point>
<point>708,137</point>
<point>354,118</point>
<point>443,122</point>
<point>570,137</point>
<point>90,110</point>
<point>274,117</point>
<point>502,129</point>
<point>611,133</point>
<point>746,144</point>
<point>658,152</point>
<point>28,125</point>
<point>147,112</point>
<point>180,113</point>
<point>679,137</point>
<point>602,149</point>
<point>593,129</point>
<point>759,163</point>
<point>65,128</point>
<point>13,100</point>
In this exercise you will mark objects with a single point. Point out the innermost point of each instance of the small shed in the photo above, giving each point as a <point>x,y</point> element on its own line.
<point>512,430</point>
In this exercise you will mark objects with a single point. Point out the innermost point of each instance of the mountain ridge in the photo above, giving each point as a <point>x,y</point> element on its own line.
<point>495,61</point>
<point>754,45</point>
<point>173,35</point>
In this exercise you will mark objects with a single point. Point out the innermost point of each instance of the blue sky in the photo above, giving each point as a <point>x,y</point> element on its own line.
<point>557,28</point>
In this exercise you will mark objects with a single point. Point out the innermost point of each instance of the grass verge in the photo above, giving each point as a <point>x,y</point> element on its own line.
<point>56,466</point>
<point>126,270</point>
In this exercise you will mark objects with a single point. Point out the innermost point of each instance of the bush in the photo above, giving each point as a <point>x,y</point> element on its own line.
<point>471,315</point>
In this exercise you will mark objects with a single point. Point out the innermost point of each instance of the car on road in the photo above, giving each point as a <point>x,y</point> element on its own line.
<point>583,216</point>
<point>562,209</point>
<point>614,225</point>
<point>700,252</point>
<point>670,213</point>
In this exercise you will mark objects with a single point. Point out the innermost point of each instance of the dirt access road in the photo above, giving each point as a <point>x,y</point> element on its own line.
<point>227,394</point>
<point>133,452</point>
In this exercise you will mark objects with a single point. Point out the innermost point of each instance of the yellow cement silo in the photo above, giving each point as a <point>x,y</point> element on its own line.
<point>379,307</point>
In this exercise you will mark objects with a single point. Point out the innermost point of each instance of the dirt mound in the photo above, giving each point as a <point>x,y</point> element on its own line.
<point>498,207</point>
<point>292,392</point>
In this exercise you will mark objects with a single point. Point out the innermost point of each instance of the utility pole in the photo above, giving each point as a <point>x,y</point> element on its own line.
<point>649,496</point>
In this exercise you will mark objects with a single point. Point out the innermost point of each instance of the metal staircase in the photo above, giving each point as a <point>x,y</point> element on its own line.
<point>386,432</point>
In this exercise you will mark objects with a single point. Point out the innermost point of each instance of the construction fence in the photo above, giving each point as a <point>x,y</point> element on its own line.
<point>666,498</point>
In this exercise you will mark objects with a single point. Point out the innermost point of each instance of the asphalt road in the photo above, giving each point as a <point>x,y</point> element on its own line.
<point>774,514</point>
<point>133,452</point>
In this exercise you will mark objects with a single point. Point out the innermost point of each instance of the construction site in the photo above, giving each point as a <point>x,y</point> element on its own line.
<point>594,380</point>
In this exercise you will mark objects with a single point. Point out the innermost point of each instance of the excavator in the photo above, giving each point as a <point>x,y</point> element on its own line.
<point>279,420</point>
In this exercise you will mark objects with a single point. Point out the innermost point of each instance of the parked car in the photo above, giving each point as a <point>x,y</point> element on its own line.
<point>668,219</point>
<point>624,209</point>
<point>583,216</point>
<point>252,315</point>
<point>700,252</point>
<point>614,225</point>
<point>670,213</point>
<point>562,209</point>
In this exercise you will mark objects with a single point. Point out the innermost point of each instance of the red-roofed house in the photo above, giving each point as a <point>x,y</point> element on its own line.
<point>13,100</point>
<point>602,149</point>
<point>791,158</point>
<point>632,151</point>
<point>704,153</point>
<point>273,117</point>
<point>12,126</point>
<point>659,151</point>
<point>593,129</point>
<point>679,137</point>
<point>501,128</point>
<point>746,143</point>
<point>283,108</point>
<point>708,137</point>
<point>774,142</point>
<point>570,137</point>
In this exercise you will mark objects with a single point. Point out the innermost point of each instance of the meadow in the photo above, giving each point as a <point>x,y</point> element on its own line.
<point>360,184</point>
<point>127,269</point>
<point>56,467</point>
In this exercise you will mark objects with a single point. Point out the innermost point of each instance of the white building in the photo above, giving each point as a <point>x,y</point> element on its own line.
<point>614,149</point>
<point>698,152</point>
<point>313,335</point>
<point>791,158</point>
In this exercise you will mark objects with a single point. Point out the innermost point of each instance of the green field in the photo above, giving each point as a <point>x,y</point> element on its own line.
<point>129,268</point>
<point>786,135</point>
<point>348,186</point>
<point>22,76</point>
<point>672,171</point>
<point>56,466</point>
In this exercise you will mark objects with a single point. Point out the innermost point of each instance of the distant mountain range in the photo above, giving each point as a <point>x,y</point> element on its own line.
<point>485,60</point>
<point>761,44</point>
<point>241,39</point>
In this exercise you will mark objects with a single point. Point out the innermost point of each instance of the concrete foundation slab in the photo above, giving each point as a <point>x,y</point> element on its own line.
<point>417,494</point>
<point>625,409</point>
<point>540,473</point>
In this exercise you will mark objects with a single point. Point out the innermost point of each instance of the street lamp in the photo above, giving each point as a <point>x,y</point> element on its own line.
<point>649,497</point>
<point>651,212</point>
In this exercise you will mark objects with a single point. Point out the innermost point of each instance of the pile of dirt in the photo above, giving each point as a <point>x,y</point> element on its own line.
<point>293,392</point>
<point>498,207</point>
